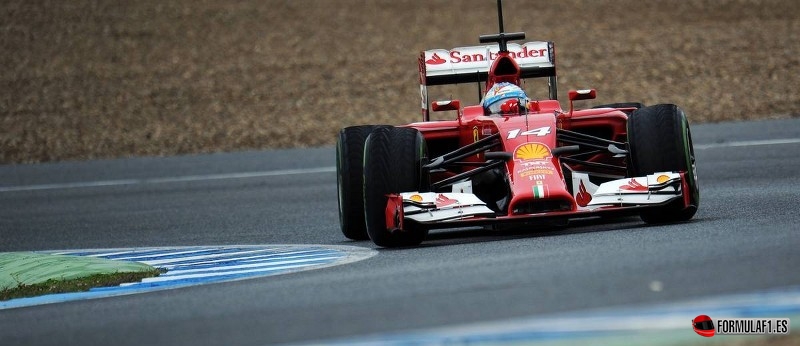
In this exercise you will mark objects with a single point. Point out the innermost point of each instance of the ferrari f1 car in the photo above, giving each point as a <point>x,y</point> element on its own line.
<point>516,162</point>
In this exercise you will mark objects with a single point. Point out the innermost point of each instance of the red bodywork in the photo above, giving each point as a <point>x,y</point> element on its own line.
<point>536,178</point>
<point>516,161</point>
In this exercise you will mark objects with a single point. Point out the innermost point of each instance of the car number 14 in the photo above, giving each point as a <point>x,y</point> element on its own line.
<point>540,132</point>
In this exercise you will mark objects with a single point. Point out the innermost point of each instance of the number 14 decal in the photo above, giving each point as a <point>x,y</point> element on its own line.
<point>540,132</point>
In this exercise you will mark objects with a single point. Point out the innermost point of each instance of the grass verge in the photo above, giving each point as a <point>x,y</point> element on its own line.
<point>76,285</point>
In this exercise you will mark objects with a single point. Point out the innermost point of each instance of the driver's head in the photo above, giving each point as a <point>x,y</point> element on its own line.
<point>505,99</point>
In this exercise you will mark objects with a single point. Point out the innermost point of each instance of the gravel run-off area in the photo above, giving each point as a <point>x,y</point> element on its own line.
<point>88,79</point>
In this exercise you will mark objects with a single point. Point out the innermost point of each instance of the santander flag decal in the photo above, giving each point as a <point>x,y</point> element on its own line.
<point>479,58</point>
<point>435,59</point>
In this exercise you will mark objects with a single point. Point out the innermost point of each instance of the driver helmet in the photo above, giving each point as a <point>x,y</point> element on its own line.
<point>505,99</point>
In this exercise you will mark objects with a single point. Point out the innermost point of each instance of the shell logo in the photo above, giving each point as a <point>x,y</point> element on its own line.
<point>662,179</point>
<point>531,151</point>
<point>416,198</point>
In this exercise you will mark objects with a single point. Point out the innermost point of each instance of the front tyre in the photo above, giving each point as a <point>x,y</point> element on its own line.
<point>393,159</point>
<point>659,140</point>
<point>350,179</point>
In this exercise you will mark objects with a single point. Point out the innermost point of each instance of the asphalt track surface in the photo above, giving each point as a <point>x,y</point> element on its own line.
<point>744,238</point>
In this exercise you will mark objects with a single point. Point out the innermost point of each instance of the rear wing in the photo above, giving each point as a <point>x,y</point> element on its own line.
<point>471,65</point>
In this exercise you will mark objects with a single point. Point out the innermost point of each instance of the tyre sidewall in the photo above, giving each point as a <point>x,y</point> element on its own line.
<point>349,175</point>
<point>392,164</point>
<point>659,139</point>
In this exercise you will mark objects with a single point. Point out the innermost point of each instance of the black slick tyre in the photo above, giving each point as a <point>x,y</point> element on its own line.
<point>392,164</point>
<point>659,140</point>
<point>350,179</point>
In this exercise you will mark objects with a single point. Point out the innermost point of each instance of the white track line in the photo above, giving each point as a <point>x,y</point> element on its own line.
<point>216,256</point>
<point>186,178</point>
<point>228,268</point>
<point>246,259</point>
<point>266,268</point>
<point>171,255</point>
<point>748,143</point>
<point>135,257</point>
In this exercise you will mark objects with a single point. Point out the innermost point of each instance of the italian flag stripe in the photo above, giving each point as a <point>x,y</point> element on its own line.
<point>538,191</point>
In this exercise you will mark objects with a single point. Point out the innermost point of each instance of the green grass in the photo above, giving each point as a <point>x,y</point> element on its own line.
<point>76,285</point>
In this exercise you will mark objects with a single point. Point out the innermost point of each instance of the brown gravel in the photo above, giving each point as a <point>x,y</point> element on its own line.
<point>93,79</point>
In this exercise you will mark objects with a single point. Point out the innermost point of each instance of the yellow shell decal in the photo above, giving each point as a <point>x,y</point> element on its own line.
<point>662,179</point>
<point>416,198</point>
<point>531,151</point>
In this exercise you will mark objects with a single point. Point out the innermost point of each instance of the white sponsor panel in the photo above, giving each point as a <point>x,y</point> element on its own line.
<point>450,213</point>
<point>652,189</point>
<point>479,58</point>
<point>434,206</point>
<point>583,190</point>
<point>630,199</point>
<point>463,187</point>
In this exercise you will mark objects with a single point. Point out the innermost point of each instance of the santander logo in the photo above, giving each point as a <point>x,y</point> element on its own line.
<point>435,60</point>
<point>443,201</point>
<point>634,185</point>
<point>583,197</point>
<point>531,52</point>
<point>457,56</point>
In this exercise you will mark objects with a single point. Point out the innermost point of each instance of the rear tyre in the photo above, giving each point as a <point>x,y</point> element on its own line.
<point>659,140</point>
<point>350,180</point>
<point>392,164</point>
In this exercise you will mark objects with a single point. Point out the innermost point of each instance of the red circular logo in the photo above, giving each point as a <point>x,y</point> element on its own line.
<point>703,325</point>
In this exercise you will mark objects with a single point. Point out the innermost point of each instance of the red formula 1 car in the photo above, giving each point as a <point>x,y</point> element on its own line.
<point>511,160</point>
